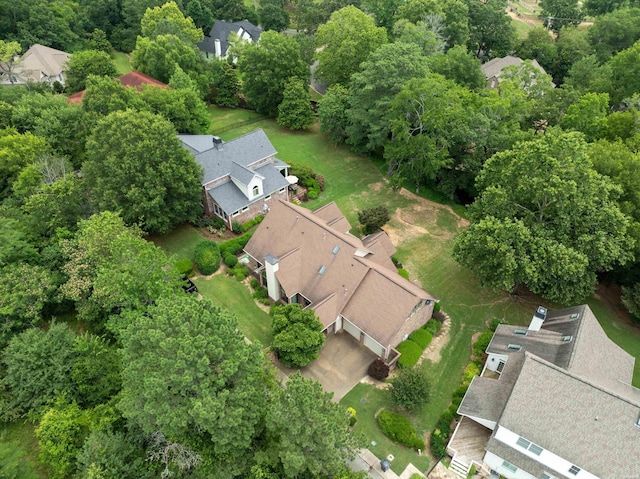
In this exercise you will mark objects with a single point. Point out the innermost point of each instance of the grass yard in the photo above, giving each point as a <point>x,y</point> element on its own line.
<point>180,242</point>
<point>234,296</point>
<point>123,65</point>
<point>374,400</point>
<point>18,452</point>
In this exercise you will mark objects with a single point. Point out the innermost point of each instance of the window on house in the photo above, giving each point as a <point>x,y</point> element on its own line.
<point>417,307</point>
<point>282,190</point>
<point>574,470</point>
<point>537,450</point>
<point>510,467</point>
<point>236,213</point>
<point>268,197</point>
<point>246,208</point>
<point>546,475</point>
<point>256,190</point>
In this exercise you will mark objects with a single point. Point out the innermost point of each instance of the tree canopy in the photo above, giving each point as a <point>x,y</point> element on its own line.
<point>150,178</point>
<point>544,219</point>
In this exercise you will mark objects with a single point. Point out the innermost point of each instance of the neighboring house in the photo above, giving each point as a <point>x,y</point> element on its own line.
<point>132,79</point>
<point>493,68</point>
<point>39,64</point>
<point>554,401</point>
<point>216,44</point>
<point>242,177</point>
<point>310,258</point>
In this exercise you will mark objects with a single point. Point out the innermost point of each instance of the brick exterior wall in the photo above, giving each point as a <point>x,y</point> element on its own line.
<point>416,320</point>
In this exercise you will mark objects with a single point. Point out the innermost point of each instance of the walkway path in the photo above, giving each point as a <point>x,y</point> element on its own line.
<point>433,351</point>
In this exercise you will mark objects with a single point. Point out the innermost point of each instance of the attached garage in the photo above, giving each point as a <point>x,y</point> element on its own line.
<point>351,328</point>
<point>374,345</point>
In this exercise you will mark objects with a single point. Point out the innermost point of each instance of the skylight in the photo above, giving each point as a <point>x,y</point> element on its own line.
<point>566,339</point>
<point>335,250</point>
<point>521,332</point>
<point>322,269</point>
<point>514,347</point>
<point>574,316</point>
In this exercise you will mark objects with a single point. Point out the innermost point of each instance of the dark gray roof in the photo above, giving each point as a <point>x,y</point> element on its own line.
<point>221,30</point>
<point>241,173</point>
<point>246,150</point>
<point>586,424</point>
<point>493,68</point>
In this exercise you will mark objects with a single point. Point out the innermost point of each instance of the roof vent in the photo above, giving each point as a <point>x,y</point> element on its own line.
<point>566,339</point>
<point>322,269</point>
<point>574,316</point>
<point>514,347</point>
<point>538,319</point>
<point>217,143</point>
<point>335,250</point>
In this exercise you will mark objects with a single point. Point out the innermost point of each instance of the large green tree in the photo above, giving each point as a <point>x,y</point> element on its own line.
<point>625,74</point>
<point>297,335</point>
<point>267,66</point>
<point>149,176</point>
<point>383,75</point>
<point>346,40</point>
<point>560,13</point>
<point>37,369</point>
<point>614,32</point>
<point>188,373</point>
<point>308,434</point>
<point>9,52</point>
<point>544,219</point>
<point>295,111</point>
<point>85,63</point>
<point>490,28</point>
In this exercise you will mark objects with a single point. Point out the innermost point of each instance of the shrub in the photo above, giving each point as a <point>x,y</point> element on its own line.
<point>254,283</point>
<point>207,257</point>
<point>495,322</point>
<point>265,301</point>
<point>184,267</point>
<point>251,223</point>
<point>234,246</point>
<point>410,353</point>
<point>481,345</point>
<point>311,184</point>
<point>240,273</point>
<point>312,194</point>
<point>260,293</point>
<point>470,372</point>
<point>433,327</point>
<point>231,260</point>
<point>320,180</point>
<point>410,388</point>
<point>404,273</point>
<point>303,172</point>
<point>236,227</point>
<point>441,434</point>
<point>436,307</point>
<point>421,337</point>
<point>373,218</point>
<point>397,428</point>
<point>378,369</point>
<point>352,416</point>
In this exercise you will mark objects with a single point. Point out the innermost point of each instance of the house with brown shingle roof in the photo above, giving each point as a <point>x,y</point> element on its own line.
<point>135,80</point>
<point>310,258</point>
<point>554,400</point>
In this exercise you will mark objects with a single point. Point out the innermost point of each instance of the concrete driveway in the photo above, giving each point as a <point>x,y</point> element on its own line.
<point>343,362</point>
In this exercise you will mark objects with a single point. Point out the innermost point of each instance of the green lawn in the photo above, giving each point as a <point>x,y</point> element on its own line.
<point>18,452</point>
<point>180,242</point>
<point>123,65</point>
<point>374,400</point>
<point>234,296</point>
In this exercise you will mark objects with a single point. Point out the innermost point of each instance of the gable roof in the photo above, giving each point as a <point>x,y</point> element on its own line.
<point>39,59</point>
<point>354,281</point>
<point>493,68</point>
<point>245,151</point>
<point>135,80</point>
<point>222,29</point>
<point>569,415</point>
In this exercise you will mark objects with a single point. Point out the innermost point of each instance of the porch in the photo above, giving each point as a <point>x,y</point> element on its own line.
<point>467,446</point>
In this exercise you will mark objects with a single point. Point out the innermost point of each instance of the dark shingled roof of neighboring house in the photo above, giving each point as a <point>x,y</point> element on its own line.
<point>221,30</point>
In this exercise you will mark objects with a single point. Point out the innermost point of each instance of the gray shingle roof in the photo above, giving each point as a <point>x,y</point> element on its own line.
<point>494,67</point>
<point>221,30</point>
<point>581,421</point>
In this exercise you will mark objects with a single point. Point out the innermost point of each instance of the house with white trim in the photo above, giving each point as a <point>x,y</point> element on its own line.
<point>242,177</point>
<point>554,401</point>
<point>310,258</point>
<point>216,43</point>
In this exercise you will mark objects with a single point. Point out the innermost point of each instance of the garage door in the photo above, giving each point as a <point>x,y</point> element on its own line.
<point>373,345</point>
<point>351,328</point>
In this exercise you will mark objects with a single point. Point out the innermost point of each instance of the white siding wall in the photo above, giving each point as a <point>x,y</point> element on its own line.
<point>496,463</point>
<point>556,464</point>
<point>494,359</point>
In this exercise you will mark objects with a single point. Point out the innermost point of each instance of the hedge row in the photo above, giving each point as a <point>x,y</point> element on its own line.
<point>207,257</point>
<point>184,267</point>
<point>422,337</point>
<point>433,326</point>
<point>236,245</point>
<point>410,352</point>
<point>397,428</point>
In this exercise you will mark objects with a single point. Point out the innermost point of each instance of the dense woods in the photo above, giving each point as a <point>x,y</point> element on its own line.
<point>160,382</point>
